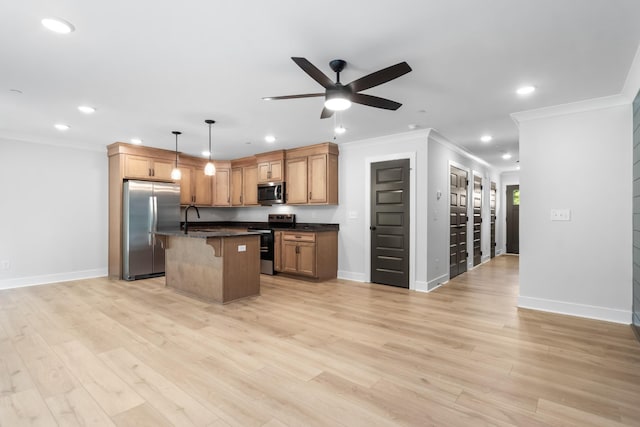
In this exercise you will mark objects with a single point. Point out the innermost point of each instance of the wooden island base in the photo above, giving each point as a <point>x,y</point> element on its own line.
<point>213,266</point>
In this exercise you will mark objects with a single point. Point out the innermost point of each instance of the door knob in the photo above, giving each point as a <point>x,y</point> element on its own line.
<point>372,228</point>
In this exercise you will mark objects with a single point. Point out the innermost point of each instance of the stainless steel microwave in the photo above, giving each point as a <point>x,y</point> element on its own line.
<point>272,193</point>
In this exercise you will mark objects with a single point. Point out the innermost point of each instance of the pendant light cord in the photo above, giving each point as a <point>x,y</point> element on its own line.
<point>209,141</point>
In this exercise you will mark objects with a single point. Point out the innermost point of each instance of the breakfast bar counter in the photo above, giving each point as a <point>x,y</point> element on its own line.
<point>216,266</point>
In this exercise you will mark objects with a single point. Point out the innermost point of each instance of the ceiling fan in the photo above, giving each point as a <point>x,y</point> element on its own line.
<point>339,97</point>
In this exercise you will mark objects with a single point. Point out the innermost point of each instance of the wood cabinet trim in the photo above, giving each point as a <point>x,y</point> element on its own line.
<point>310,150</point>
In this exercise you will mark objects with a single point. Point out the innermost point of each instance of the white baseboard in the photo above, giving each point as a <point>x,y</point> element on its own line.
<point>421,286</point>
<point>21,282</point>
<point>351,275</point>
<point>437,282</point>
<point>485,258</point>
<point>573,309</point>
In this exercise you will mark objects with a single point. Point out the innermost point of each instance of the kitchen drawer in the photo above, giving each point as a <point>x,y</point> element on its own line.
<point>299,237</point>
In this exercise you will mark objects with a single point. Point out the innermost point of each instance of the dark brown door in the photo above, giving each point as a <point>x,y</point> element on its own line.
<point>492,205</point>
<point>458,221</point>
<point>477,220</point>
<point>513,219</point>
<point>390,223</point>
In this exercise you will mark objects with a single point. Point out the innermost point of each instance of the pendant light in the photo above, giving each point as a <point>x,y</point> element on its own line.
<point>175,173</point>
<point>210,168</point>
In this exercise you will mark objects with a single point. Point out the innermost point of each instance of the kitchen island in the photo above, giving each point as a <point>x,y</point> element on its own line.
<point>217,266</point>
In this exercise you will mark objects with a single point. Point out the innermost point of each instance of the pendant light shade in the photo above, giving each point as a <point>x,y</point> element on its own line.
<point>175,173</point>
<point>210,168</point>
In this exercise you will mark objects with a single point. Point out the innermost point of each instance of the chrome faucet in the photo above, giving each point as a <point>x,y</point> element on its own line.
<point>186,220</point>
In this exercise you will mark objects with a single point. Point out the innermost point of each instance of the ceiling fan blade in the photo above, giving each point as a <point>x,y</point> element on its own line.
<point>374,101</point>
<point>306,95</point>
<point>326,113</point>
<point>314,72</point>
<point>379,77</point>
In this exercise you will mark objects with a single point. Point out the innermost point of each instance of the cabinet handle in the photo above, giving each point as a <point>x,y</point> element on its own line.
<point>297,249</point>
<point>228,199</point>
<point>309,195</point>
<point>240,199</point>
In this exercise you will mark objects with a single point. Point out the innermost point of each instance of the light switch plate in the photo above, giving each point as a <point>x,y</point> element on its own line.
<point>242,248</point>
<point>560,214</point>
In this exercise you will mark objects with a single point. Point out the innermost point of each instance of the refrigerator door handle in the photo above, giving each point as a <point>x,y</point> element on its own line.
<point>155,219</point>
<point>151,220</point>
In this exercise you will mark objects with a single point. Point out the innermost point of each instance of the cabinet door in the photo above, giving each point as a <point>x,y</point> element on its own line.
<point>137,167</point>
<point>297,181</point>
<point>162,169</point>
<point>263,172</point>
<point>275,168</point>
<point>307,259</point>
<point>221,196</point>
<point>236,187</point>
<point>277,251</point>
<point>186,194</point>
<point>289,257</point>
<point>318,178</point>
<point>250,185</point>
<point>202,188</point>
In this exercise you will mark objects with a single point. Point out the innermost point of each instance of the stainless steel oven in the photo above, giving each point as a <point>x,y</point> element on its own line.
<point>267,239</point>
<point>266,250</point>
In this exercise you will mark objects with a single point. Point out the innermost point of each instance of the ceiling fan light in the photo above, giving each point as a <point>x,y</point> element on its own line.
<point>210,169</point>
<point>337,104</point>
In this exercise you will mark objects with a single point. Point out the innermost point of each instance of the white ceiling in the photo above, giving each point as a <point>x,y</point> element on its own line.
<point>150,67</point>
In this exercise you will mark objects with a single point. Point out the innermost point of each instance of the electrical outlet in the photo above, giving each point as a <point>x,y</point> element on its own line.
<point>242,248</point>
<point>5,265</point>
<point>560,214</point>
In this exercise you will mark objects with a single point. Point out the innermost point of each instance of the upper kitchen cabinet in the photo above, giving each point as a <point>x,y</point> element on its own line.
<point>222,184</point>
<point>196,188</point>
<point>244,182</point>
<point>141,167</point>
<point>270,166</point>
<point>312,174</point>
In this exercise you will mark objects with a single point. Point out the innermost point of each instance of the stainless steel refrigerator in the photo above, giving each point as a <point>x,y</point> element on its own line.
<point>147,207</point>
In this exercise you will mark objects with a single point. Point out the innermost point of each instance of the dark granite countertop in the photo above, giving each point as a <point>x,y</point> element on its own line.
<point>302,226</point>
<point>204,234</point>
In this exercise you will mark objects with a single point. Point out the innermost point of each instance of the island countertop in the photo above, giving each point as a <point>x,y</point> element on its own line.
<point>199,234</point>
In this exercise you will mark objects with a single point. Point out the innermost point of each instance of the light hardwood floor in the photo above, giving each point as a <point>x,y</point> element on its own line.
<point>102,353</point>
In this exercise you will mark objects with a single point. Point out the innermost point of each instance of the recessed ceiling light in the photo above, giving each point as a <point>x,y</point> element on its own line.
<point>525,90</point>
<point>61,126</point>
<point>206,153</point>
<point>518,167</point>
<point>136,141</point>
<point>86,109</point>
<point>506,156</point>
<point>58,25</point>
<point>340,130</point>
<point>270,139</point>
<point>486,138</point>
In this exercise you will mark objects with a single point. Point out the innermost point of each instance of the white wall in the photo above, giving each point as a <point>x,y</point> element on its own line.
<point>53,215</point>
<point>506,178</point>
<point>441,154</point>
<point>354,240</point>
<point>578,158</point>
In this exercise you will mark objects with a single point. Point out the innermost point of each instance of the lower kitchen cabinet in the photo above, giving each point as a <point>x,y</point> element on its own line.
<point>308,254</point>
